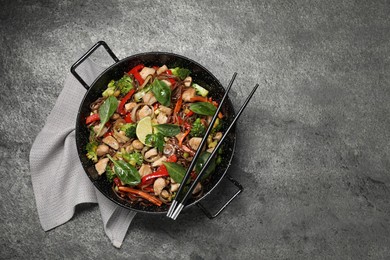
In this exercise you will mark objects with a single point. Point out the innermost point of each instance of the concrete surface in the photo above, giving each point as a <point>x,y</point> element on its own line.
<point>313,146</point>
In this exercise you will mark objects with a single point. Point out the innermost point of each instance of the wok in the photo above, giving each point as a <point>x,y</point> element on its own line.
<point>199,74</point>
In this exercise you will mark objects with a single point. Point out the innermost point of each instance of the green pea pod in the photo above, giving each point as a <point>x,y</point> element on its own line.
<point>127,173</point>
<point>201,161</point>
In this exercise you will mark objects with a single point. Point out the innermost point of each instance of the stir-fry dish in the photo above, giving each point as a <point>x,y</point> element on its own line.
<point>145,130</point>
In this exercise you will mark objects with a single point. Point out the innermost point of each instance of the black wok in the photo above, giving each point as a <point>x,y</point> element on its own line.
<point>199,74</point>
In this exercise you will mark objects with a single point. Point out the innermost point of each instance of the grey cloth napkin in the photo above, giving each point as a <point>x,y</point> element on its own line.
<point>58,179</point>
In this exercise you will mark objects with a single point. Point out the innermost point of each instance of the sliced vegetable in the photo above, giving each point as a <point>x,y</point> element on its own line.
<point>161,92</point>
<point>201,161</point>
<point>167,129</point>
<point>133,158</point>
<point>92,118</point>
<point>176,171</point>
<point>200,90</point>
<point>142,194</point>
<point>160,172</point>
<point>203,108</point>
<point>127,173</point>
<point>106,110</point>
<point>121,107</point>
<point>181,73</point>
<point>155,140</point>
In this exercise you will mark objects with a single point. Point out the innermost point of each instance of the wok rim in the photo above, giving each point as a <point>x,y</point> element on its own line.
<point>78,134</point>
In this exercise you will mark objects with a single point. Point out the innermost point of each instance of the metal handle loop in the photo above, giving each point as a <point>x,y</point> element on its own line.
<point>85,56</point>
<point>210,215</point>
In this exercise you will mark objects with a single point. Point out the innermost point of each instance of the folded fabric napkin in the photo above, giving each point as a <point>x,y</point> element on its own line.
<point>58,179</point>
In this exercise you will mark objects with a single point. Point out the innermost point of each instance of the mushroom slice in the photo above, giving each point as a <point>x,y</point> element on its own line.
<point>194,142</point>
<point>101,165</point>
<point>174,187</point>
<point>110,141</point>
<point>159,161</point>
<point>145,170</point>
<point>158,185</point>
<point>152,152</point>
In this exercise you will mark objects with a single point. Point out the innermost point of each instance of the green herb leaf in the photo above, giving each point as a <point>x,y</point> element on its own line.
<point>127,173</point>
<point>162,92</point>
<point>155,140</point>
<point>175,171</point>
<point>106,110</point>
<point>201,161</point>
<point>167,129</point>
<point>203,108</point>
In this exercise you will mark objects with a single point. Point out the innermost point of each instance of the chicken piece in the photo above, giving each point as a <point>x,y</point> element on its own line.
<point>167,82</point>
<point>159,185</point>
<point>149,98</point>
<point>162,69</point>
<point>194,142</point>
<point>144,112</point>
<point>146,71</point>
<point>130,106</point>
<point>188,81</point>
<point>159,162</point>
<point>188,94</point>
<point>96,129</point>
<point>165,110</point>
<point>101,165</point>
<point>162,118</point>
<point>102,149</point>
<point>111,141</point>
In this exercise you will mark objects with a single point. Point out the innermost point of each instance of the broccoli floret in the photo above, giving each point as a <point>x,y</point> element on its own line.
<point>125,84</point>
<point>129,129</point>
<point>197,129</point>
<point>110,89</point>
<point>91,151</point>
<point>180,72</point>
<point>133,158</point>
<point>200,90</point>
<point>110,174</point>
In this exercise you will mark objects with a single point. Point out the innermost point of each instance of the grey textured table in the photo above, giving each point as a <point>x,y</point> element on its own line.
<point>313,147</point>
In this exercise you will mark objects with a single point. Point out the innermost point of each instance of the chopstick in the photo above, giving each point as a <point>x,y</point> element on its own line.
<point>178,209</point>
<point>197,153</point>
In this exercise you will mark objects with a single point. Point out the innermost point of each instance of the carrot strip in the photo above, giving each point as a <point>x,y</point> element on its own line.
<point>144,195</point>
<point>183,136</point>
<point>199,98</point>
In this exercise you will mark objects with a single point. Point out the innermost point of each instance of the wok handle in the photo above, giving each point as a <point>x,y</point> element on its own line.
<point>85,56</point>
<point>211,216</point>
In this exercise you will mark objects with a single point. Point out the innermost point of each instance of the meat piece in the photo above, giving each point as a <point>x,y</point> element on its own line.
<point>101,165</point>
<point>111,141</point>
<point>188,94</point>
<point>144,112</point>
<point>146,71</point>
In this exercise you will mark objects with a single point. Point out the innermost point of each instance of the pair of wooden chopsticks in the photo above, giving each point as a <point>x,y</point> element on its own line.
<point>176,208</point>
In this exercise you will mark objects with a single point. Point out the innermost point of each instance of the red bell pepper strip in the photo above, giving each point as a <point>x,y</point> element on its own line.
<point>128,118</point>
<point>190,113</point>
<point>108,134</point>
<point>117,182</point>
<point>172,81</point>
<point>199,98</point>
<point>121,108</point>
<point>160,172</point>
<point>172,158</point>
<point>92,118</point>
<point>135,71</point>
<point>142,194</point>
